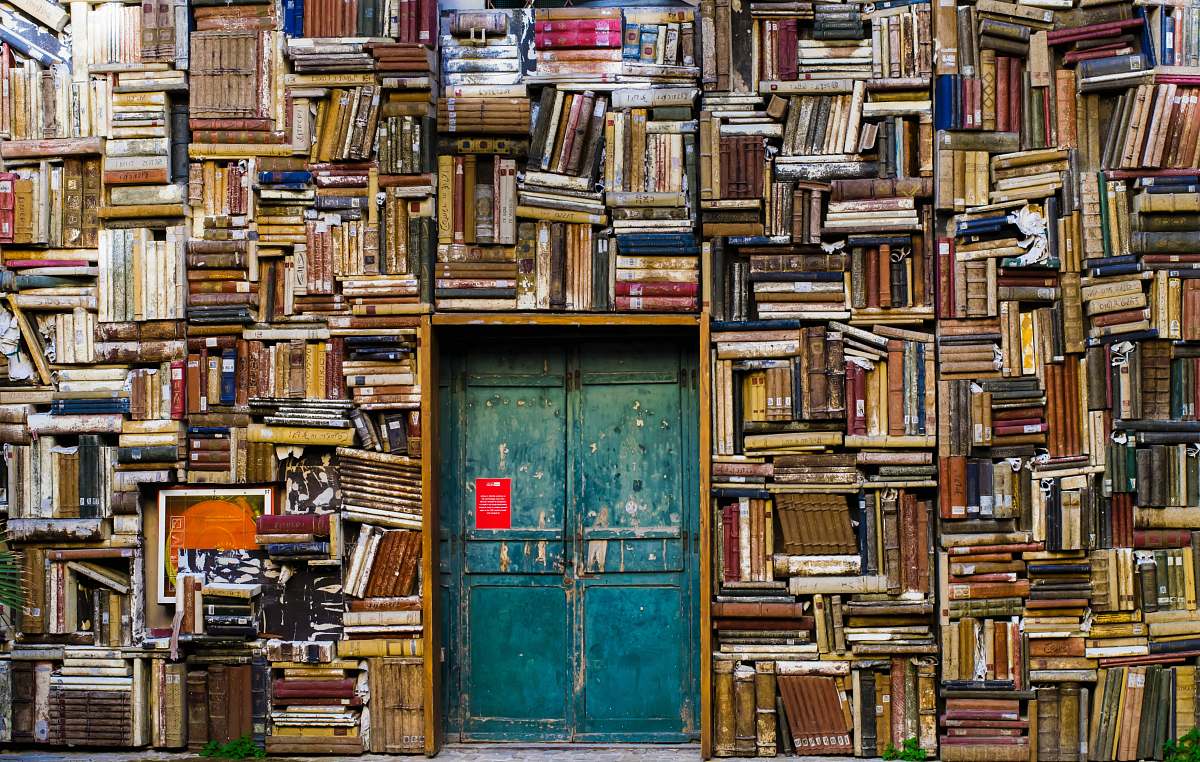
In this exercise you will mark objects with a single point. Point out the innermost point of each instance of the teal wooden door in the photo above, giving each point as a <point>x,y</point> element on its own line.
<point>579,622</point>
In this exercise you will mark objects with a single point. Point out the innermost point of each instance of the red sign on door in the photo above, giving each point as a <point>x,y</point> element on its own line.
<point>493,503</point>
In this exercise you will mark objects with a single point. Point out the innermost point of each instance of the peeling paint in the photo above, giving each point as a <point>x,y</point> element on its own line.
<point>503,448</point>
<point>504,560</point>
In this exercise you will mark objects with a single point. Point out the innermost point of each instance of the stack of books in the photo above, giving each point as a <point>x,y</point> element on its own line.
<point>315,709</point>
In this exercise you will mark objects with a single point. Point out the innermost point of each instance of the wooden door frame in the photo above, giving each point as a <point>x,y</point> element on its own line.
<point>694,330</point>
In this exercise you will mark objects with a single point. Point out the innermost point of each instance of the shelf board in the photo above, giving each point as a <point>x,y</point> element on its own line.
<point>566,319</point>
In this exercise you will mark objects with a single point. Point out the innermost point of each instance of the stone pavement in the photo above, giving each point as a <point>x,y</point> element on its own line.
<point>452,753</point>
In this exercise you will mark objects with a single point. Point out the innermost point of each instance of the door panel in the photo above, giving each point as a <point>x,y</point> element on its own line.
<point>633,658</point>
<point>514,414</point>
<point>578,622</point>
<point>636,627</point>
<point>520,684</point>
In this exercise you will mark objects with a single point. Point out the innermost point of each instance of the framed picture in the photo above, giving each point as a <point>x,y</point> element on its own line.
<point>206,519</point>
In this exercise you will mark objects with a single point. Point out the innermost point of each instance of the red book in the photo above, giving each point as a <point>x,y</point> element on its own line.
<point>546,40</point>
<point>579,25</point>
<point>626,288</point>
<point>657,303</point>
<point>1015,89</point>
<point>294,523</point>
<point>313,688</point>
<point>7,202</point>
<point>14,264</point>
<point>178,390</point>
<point>1003,123</point>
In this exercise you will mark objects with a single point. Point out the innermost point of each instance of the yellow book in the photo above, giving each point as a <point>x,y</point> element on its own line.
<point>366,648</point>
<point>819,604</point>
<point>313,731</point>
<point>445,199</point>
<point>135,211</point>
<point>258,432</point>
<point>560,215</point>
<point>237,150</point>
<point>1028,361</point>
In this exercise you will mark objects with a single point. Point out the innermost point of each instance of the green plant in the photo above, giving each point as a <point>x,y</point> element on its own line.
<point>910,751</point>
<point>1184,749</point>
<point>238,748</point>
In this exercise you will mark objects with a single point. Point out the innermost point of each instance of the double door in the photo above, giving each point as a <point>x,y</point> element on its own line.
<point>574,616</point>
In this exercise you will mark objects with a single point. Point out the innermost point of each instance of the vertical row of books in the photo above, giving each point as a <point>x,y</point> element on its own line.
<point>215,224</point>
<point>567,161</point>
<point>1067,226</point>
<point>92,252</point>
<point>816,199</point>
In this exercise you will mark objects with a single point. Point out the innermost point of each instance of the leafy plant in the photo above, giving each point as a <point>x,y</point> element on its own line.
<point>910,751</point>
<point>12,577</point>
<point>1184,749</point>
<point>238,748</point>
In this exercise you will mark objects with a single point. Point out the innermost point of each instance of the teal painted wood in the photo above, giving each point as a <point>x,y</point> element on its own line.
<point>581,622</point>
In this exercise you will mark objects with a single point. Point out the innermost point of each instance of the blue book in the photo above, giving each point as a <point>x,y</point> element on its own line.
<point>921,380</point>
<point>219,432</point>
<point>32,40</point>
<point>756,240</point>
<point>657,238</point>
<point>1098,341</point>
<point>1147,42</point>
<point>750,492</point>
<point>1100,272</point>
<point>228,376</point>
<point>943,102</point>
<point>631,47</point>
<point>1123,259</point>
<point>753,325</point>
<point>1193,188</point>
<point>285,176</point>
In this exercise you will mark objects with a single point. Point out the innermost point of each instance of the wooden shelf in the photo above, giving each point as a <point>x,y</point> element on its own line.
<point>566,319</point>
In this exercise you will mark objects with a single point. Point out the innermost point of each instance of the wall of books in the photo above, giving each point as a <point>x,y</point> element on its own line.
<point>954,448</point>
<point>941,256</point>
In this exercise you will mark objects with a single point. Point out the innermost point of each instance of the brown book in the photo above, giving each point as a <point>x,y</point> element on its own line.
<point>197,709</point>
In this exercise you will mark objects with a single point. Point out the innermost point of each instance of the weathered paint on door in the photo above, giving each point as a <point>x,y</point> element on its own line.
<point>579,622</point>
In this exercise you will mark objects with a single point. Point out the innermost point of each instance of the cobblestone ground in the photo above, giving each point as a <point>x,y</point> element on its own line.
<point>455,753</point>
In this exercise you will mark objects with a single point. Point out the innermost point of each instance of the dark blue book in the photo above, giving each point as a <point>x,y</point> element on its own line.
<point>943,101</point>
<point>228,376</point>
<point>218,432</point>
<point>1114,269</point>
<point>285,176</point>
<point>753,325</point>
<point>294,549</point>
<point>755,240</point>
<point>1147,41</point>
<point>735,492</point>
<point>1121,259</point>
<point>921,384</point>
<point>825,276</point>
<point>1099,341</point>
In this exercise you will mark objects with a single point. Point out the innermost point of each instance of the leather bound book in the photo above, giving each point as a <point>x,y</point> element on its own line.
<point>895,387</point>
<point>817,393</point>
<point>745,735</point>
<point>197,709</point>
<point>218,703</point>
<point>724,724</point>
<point>765,717</point>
